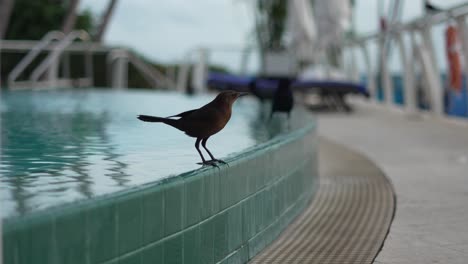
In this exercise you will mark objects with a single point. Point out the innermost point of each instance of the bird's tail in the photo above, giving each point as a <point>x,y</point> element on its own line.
<point>148,118</point>
<point>156,119</point>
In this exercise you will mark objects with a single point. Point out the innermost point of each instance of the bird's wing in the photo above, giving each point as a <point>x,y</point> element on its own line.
<point>183,114</point>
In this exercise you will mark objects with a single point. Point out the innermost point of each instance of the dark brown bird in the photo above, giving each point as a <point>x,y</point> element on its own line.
<point>203,122</point>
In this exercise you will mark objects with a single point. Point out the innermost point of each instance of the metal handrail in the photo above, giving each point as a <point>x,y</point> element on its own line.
<point>422,50</point>
<point>58,49</point>
<point>32,54</point>
<point>150,74</point>
<point>419,23</point>
<point>150,71</point>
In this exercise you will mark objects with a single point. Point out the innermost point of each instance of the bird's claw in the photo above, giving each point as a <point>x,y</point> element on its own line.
<point>220,161</point>
<point>209,162</point>
<point>213,163</point>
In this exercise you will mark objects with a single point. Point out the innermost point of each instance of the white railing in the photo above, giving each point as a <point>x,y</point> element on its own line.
<point>194,65</point>
<point>32,54</point>
<point>421,49</point>
<point>51,62</point>
<point>117,61</point>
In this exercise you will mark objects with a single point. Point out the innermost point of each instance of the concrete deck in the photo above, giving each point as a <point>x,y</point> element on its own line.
<point>427,161</point>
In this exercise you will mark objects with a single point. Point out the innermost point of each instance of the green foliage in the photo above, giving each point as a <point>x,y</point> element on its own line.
<point>33,19</point>
<point>270,23</point>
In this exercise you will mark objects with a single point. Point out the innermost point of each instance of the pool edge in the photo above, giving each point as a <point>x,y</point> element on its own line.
<point>238,209</point>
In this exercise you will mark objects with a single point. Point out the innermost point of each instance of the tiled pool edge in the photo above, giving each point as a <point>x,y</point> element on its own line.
<point>204,216</point>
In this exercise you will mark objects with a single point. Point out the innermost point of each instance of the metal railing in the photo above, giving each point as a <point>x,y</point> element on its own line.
<point>46,74</point>
<point>51,62</point>
<point>421,50</point>
<point>117,61</point>
<point>32,54</point>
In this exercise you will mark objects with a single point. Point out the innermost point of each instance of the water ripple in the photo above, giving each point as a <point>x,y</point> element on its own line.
<point>59,146</point>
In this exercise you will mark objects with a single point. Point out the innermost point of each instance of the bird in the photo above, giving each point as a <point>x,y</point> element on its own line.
<point>283,100</point>
<point>203,122</point>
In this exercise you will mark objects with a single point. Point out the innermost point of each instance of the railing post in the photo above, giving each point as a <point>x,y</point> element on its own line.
<point>369,71</point>
<point>117,62</point>
<point>200,71</point>
<point>462,29</point>
<point>182,76</point>
<point>354,71</point>
<point>0,69</point>
<point>386,79</point>
<point>433,74</point>
<point>408,75</point>
<point>244,61</point>
<point>89,66</point>
<point>120,73</point>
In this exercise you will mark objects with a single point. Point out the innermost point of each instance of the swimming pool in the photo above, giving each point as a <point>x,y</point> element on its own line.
<point>66,145</point>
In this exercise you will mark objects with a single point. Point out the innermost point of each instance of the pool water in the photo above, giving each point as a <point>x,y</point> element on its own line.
<point>61,146</point>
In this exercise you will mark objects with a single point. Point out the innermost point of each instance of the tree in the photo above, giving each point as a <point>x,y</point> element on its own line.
<point>5,11</point>
<point>105,21</point>
<point>33,19</point>
<point>270,23</point>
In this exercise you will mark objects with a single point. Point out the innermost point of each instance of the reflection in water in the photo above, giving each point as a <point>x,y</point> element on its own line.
<point>60,146</point>
<point>263,128</point>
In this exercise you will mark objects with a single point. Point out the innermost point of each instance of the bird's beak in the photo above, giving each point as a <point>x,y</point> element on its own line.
<point>243,94</point>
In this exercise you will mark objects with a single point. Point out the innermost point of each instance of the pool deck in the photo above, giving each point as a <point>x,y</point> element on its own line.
<point>426,159</point>
<point>348,219</point>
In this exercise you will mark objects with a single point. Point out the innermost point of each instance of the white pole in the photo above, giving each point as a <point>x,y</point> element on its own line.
<point>200,71</point>
<point>386,79</point>
<point>462,28</point>
<point>433,77</point>
<point>408,75</point>
<point>370,74</point>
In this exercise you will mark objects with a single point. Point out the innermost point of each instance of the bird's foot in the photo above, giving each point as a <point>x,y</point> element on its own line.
<point>220,161</point>
<point>209,162</point>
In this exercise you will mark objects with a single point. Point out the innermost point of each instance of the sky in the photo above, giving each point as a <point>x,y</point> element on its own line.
<point>166,30</point>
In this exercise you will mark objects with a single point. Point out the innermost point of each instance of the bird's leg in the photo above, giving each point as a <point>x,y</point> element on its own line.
<point>204,162</point>
<point>209,153</point>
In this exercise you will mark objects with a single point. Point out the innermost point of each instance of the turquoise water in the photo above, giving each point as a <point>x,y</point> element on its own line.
<point>60,146</point>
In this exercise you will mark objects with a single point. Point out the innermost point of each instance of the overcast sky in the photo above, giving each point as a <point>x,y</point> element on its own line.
<point>165,30</point>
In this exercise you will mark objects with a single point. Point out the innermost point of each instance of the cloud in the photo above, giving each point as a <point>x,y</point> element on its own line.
<point>167,30</point>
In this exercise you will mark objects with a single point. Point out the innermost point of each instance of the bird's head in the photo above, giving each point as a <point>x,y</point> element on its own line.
<point>229,96</point>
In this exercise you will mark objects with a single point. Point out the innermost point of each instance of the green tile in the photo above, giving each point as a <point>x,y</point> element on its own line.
<point>258,205</point>
<point>173,207</point>
<point>173,250</point>
<point>193,200</point>
<point>207,196</point>
<point>153,254</point>
<point>248,219</point>
<point>220,236</point>
<point>234,227</point>
<point>244,253</point>
<point>41,235</point>
<point>129,223</point>
<point>242,185</point>
<point>268,206</point>
<point>132,259</point>
<point>217,194</point>
<point>11,247</point>
<point>70,237</point>
<point>234,259</point>
<point>224,190</point>
<point>192,246</point>
<point>207,241</point>
<point>153,215</point>
<point>101,232</point>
